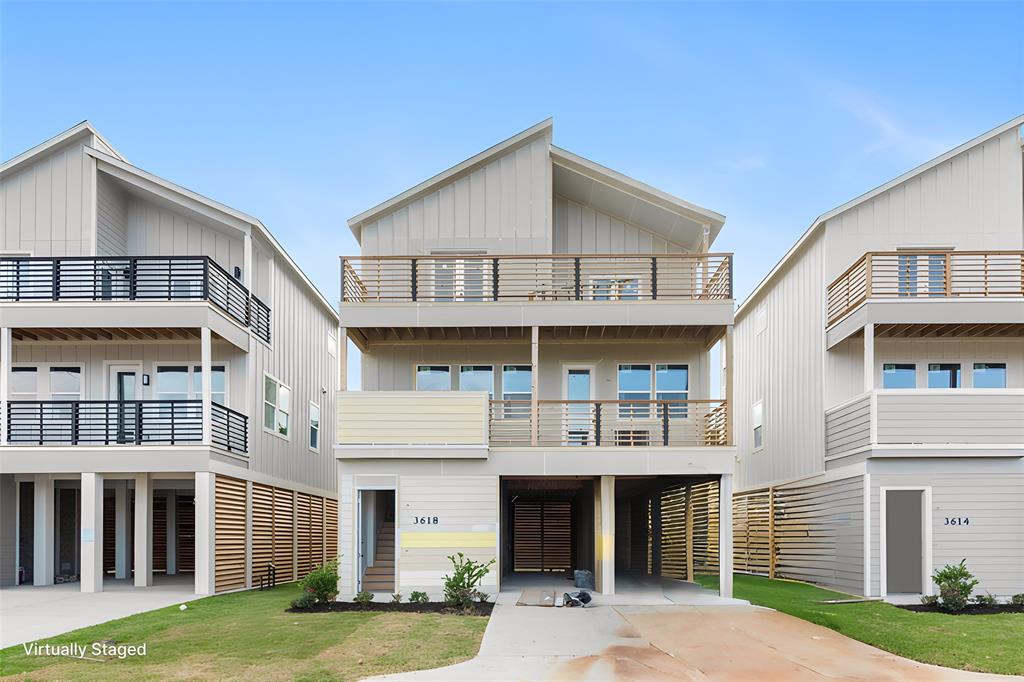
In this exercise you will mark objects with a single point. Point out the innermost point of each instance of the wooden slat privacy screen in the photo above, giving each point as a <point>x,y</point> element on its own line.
<point>160,533</point>
<point>262,530</point>
<point>702,508</point>
<point>542,535</point>
<point>332,528</point>
<point>230,530</point>
<point>284,534</point>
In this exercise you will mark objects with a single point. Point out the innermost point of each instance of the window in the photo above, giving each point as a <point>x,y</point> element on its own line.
<point>433,378</point>
<point>65,383</point>
<point>615,288</point>
<point>24,383</point>
<point>757,419</point>
<point>634,384</point>
<point>943,375</point>
<point>477,378</point>
<point>277,406</point>
<point>457,279</point>
<point>990,375</point>
<point>672,382</point>
<point>896,375</point>
<point>314,427</point>
<point>172,383</point>
<point>921,275</point>
<point>217,387</point>
<point>516,386</point>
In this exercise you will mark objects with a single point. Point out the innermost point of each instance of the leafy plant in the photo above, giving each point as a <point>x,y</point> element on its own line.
<point>460,588</point>
<point>306,600</point>
<point>955,584</point>
<point>396,598</point>
<point>986,599</point>
<point>418,598</point>
<point>930,599</point>
<point>322,582</point>
<point>363,598</point>
<point>1017,599</point>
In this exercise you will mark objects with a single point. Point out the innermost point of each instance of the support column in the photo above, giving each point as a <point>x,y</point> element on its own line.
<point>92,533</point>
<point>688,525</point>
<point>342,359</point>
<point>172,532</point>
<point>535,406</point>
<point>144,529</point>
<point>42,548</point>
<point>206,352</point>
<point>8,530</point>
<point>205,532</point>
<point>606,550</point>
<point>656,532</point>
<point>248,534</point>
<point>730,409</point>
<point>725,536</point>
<point>122,560</point>
<point>869,356</point>
<point>6,350</point>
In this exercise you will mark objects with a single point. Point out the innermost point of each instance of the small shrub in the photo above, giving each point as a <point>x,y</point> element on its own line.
<point>986,599</point>
<point>930,599</point>
<point>322,582</point>
<point>1017,599</point>
<point>363,598</point>
<point>396,598</point>
<point>418,598</point>
<point>306,600</point>
<point>955,584</point>
<point>460,588</point>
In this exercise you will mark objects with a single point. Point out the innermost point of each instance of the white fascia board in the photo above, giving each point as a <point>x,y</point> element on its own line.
<point>79,131</point>
<point>355,223</point>
<point>842,208</point>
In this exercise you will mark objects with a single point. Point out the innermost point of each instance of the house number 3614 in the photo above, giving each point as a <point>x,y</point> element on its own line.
<point>957,521</point>
<point>424,520</point>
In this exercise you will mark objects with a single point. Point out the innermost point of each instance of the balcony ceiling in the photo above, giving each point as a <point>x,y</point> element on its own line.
<point>955,330</point>
<point>88,335</point>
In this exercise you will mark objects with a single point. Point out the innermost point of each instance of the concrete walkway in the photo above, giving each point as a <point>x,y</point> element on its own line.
<point>29,613</point>
<point>672,642</point>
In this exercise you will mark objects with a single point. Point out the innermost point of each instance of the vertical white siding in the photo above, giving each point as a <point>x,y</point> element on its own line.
<point>581,229</point>
<point>111,218</point>
<point>156,230</point>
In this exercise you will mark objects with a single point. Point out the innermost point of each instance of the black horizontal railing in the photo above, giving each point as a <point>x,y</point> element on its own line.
<point>122,422</point>
<point>132,278</point>
<point>229,429</point>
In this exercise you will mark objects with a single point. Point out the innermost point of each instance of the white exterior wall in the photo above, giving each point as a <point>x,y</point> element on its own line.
<point>582,229</point>
<point>111,218</point>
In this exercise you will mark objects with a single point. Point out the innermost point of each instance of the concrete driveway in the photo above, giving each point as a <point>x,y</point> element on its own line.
<point>675,642</point>
<point>29,613</point>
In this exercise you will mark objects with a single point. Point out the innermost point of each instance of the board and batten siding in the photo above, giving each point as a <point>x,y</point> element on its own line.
<point>951,416</point>
<point>782,366</point>
<point>971,202</point>
<point>848,427</point>
<point>503,206</point>
<point>988,491</point>
<point>582,229</point>
<point>466,508</point>
<point>412,418</point>
<point>111,218</point>
<point>46,208</point>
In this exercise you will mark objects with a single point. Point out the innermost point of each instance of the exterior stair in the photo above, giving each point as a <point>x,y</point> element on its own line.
<point>381,576</point>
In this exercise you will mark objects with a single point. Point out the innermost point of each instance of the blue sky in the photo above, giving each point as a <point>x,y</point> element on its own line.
<point>306,114</point>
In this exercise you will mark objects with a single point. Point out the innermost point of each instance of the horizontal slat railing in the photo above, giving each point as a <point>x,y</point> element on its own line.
<point>633,423</point>
<point>229,429</point>
<point>104,422</point>
<point>926,274</point>
<point>645,277</point>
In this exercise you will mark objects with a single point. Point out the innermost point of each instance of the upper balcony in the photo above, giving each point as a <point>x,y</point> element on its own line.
<point>536,290</point>
<point>943,293</point>
<point>129,292</point>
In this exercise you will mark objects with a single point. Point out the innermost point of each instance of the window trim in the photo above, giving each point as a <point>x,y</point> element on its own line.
<point>191,372</point>
<point>264,403</point>
<point>631,415</point>
<point>959,374</point>
<point>757,407</point>
<point>43,388</point>
<point>309,426</point>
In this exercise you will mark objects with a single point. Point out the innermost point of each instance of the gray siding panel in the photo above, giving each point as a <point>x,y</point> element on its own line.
<point>954,417</point>
<point>848,428</point>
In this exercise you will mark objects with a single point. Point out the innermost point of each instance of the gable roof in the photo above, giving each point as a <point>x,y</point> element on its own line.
<point>871,194</point>
<point>355,223</point>
<point>79,131</point>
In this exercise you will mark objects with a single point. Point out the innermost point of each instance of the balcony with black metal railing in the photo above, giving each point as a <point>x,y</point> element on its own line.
<point>132,279</point>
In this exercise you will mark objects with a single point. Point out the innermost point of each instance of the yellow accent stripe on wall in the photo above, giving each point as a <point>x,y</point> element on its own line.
<point>448,539</point>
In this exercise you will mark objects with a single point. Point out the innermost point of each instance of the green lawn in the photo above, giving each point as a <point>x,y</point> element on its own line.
<point>248,635</point>
<point>980,643</point>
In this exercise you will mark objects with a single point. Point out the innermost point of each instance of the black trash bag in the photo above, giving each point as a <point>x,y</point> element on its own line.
<point>584,580</point>
<point>572,599</point>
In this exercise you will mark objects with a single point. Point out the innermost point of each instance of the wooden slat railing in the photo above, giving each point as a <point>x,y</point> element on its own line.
<point>925,274</point>
<point>556,277</point>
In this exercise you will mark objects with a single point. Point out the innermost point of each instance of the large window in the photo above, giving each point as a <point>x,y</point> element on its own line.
<point>172,383</point>
<point>24,383</point>
<point>516,390</point>
<point>277,406</point>
<point>899,375</point>
<point>314,427</point>
<point>943,375</point>
<point>65,383</point>
<point>757,419</point>
<point>217,387</point>
<point>672,382</point>
<point>634,384</point>
<point>615,288</point>
<point>989,375</point>
<point>477,378</point>
<point>433,378</point>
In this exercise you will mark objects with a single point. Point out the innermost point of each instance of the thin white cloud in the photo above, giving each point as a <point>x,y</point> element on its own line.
<point>885,131</point>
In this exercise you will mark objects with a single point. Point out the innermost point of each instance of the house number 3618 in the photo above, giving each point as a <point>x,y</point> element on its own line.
<point>424,520</point>
<point>958,521</point>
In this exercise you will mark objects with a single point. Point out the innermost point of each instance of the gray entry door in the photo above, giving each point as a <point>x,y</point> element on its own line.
<point>904,542</point>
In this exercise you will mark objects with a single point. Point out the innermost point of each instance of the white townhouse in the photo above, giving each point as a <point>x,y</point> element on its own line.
<point>164,370</point>
<point>535,333</point>
<point>880,385</point>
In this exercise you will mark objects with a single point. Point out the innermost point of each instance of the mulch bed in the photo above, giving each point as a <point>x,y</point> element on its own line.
<point>483,609</point>
<point>969,610</point>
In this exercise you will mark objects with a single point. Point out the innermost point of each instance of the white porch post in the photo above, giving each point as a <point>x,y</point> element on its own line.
<point>144,530</point>
<point>607,556</point>
<point>6,350</point>
<point>534,384</point>
<point>869,356</point>
<point>121,558</point>
<point>92,533</point>
<point>342,359</point>
<point>725,536</point>
<point>205,531</point>
<point>172,532</point>
<point>42,553</point>
<point>206,343</point>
